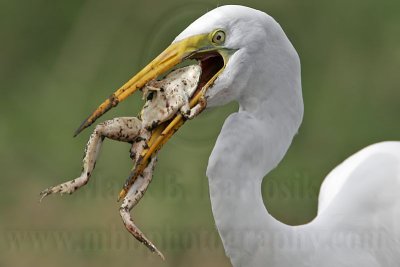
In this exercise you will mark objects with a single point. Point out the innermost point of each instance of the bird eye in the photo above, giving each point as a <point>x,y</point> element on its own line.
<point>218,37</point>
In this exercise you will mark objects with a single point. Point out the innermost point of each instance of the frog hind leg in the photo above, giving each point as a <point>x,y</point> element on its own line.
<point>140,144</point>
<point>133,196</point>
<point>123,129</point>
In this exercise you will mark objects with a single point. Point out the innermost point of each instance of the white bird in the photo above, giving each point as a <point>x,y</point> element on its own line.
<point>359,203</point>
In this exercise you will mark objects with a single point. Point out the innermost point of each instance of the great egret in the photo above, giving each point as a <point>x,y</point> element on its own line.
<point>359,207</point>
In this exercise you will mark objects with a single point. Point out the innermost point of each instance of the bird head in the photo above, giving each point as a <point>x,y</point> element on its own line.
<point>221,41</point>
<point>207,46</point>
<point>235,46</point>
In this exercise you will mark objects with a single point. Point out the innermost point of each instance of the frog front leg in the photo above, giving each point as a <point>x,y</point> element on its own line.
<point>133,196</point>
<point>124,129</point>
<point>190,113</point>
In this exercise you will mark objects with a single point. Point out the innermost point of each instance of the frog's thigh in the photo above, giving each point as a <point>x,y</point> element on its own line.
<point>124,129</point>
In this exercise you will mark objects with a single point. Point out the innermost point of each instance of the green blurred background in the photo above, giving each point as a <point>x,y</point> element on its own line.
<point>60,59</point>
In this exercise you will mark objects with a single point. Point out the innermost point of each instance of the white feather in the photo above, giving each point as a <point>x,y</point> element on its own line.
<point>359,203</point>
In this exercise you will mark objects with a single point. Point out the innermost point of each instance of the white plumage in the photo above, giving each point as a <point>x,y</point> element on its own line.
<point>359,206</point>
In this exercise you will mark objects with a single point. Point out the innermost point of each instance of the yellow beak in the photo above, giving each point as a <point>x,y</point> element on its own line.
<point>191,47</point>
<point>170,57</point>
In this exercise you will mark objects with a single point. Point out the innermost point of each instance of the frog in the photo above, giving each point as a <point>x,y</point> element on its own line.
<point>164,98</point>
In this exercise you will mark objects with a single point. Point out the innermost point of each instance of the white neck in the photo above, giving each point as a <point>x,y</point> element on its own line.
<point>251,143</point>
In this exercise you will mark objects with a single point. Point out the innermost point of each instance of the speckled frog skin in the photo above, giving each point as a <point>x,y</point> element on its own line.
<point>164,98</point>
